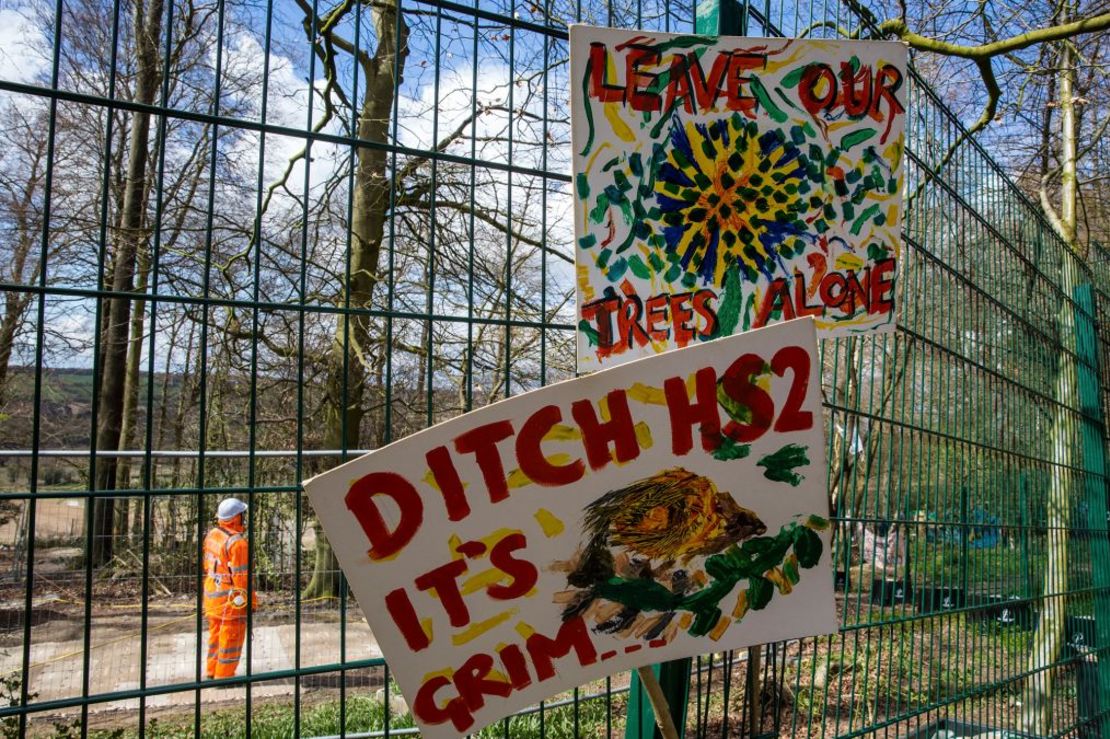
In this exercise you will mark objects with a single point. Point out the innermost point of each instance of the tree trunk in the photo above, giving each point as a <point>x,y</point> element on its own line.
<point>15,304</point>
<point>344,405</point>
<point>117,311</point>
<point>131,401</point>
<point>1046,641</point>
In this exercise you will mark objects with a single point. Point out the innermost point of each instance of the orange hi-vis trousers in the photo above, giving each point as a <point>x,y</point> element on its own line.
<point>225,645</point>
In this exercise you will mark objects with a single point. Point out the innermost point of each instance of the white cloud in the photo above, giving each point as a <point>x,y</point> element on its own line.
<point>21,47</point>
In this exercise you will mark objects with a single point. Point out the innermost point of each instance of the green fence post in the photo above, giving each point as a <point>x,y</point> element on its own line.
<point>1026,570</point>
<point>965,538</point>
<point>711,18</point>
<point>1093,435</point>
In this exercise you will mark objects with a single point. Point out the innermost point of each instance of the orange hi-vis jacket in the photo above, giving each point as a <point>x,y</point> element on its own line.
<point>226,570</point>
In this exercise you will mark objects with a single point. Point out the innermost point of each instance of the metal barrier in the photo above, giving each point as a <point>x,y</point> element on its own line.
<point>255,238</point>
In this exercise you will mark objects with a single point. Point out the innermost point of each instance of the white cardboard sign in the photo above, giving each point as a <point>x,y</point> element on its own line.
<point>661,509</point>
<point>725,183</point>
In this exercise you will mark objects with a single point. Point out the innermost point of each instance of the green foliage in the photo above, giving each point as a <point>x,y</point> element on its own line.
<point>10,692</point>
<point>363,714</point>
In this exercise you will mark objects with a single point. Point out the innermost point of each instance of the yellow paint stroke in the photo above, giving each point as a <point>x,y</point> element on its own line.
<point>497,676</point>
<point>524,629</point>
<point>426,626</point>
<point>549,523</point>
<point>892,217</point>
<point>483,579</point>
<point>447,672</point>
<point>517,479</point>
<point>582,274</point>
<point>454,541</point>
<point>646,394</point>
<point>477,629</point>
<point>848,261</point>
<point>620,128</point>
<point>719,630</point>
<point>777,576</point>
<point>741,605</point>
<point>643,435</point>
<point>390,558</point>
<point>893,153</point>
<point>562,432</point>
<point>593,157</point>
<point>429,479</point>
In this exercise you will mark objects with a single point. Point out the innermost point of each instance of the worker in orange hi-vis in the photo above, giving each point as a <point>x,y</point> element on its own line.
<point>227,573</point>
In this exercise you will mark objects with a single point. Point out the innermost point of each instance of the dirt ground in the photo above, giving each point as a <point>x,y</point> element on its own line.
<point>115,649</point>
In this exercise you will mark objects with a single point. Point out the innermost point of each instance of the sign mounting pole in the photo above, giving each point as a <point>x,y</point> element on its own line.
<point>670,682</point>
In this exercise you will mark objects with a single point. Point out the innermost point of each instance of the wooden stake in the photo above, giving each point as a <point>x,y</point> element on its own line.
<point>755,692</point>
<point>658,702</point>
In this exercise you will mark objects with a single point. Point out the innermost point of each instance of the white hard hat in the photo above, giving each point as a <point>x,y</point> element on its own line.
<point>230,508</point>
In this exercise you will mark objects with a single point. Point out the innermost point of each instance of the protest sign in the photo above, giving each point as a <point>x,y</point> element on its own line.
<point>724,183</point>
<point>665,508</point>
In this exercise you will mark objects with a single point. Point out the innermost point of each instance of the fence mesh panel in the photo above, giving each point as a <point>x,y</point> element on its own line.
<point>243,241</point>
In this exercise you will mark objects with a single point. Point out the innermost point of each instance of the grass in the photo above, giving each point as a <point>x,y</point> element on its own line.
<point>367,714</point>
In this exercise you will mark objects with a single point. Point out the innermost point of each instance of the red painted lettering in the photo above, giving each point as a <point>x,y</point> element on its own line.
<point>680,317</point>
<point>749,399</point>
<point>482,443</point>
<point>404,616</point>
<point>738,64</point>
<point>601,312</point>
<point>430,712</point>
<point>679,87</point>
<point>573,634</point>
<point>703,309</point>
<point>855,89</point>
<point>628,323</point>
<point>523,572</point>
<point>447,479</point>
<point>657,317</point>
<point>707,90</point>
<point>813,78</point>
<point>600,88</point>
<point>515,665</point>
<point>443,580</point>
<point>532,461</point>
<point>640,96</point>
<point>778,296</point>
<point>882,286</point>
<point>801,306</point>
<point>703,411</point>
<point>360,501</point>
<point>830,281</point>
<point>857,293</point>
<point>795,359</point>
<point>596,435</point>
<point>473,683</point>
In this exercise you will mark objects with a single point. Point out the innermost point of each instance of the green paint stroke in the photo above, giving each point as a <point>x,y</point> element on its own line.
<point>728,450</point>
<point>589,112</point>
<point>591,333</point>
<point>751,561</point>
<point>728,314</point>
<point>855,138</point>
<point>764,98</point>
<point>863,218</point>
<point>779,466</point>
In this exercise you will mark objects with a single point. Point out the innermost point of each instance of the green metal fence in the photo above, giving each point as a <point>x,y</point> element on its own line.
<point>245,240</point>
